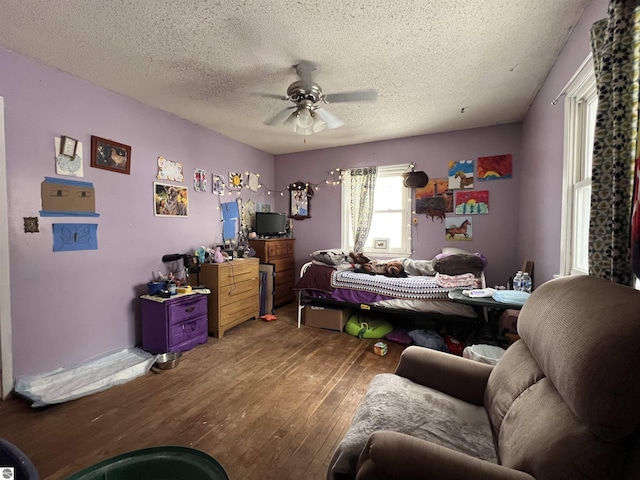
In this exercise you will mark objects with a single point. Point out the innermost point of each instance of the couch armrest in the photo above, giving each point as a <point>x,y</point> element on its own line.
<point>396,456</point>
<point>456,376</point>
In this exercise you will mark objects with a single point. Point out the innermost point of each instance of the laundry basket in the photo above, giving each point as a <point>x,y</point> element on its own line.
<point>156,463</point>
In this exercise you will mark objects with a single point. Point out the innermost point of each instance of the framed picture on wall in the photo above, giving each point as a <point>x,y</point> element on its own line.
<point>110,155</point>
<point>299,201</point>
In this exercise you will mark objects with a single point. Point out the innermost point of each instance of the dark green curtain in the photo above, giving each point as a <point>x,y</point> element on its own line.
<point>616,54</point>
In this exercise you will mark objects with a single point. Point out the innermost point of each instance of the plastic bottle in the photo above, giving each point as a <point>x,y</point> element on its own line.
<point>526,282</point>
<point>518,281</point>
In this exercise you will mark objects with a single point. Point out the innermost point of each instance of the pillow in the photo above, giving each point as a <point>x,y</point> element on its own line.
<point>332,256</point>
<point>459,263</point>
<point>399,336</point>
<point>418,267</point>
<point>453,250</point>
<point>362,326</point>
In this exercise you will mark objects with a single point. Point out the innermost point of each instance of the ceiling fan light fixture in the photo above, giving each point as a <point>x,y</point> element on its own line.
<point>305,120</point>
<point>329,118</point>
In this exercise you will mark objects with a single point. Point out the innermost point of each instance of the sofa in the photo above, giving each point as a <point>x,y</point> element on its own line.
<point>563,402</point>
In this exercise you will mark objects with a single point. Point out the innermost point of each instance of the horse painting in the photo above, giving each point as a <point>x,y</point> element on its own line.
<point>461,230</point>
<point>465,181</point>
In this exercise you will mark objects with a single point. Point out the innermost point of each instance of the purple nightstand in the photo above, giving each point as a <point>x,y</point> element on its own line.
<point>173,324</point>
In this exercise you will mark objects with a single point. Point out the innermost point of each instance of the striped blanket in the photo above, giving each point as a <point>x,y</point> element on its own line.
<point>416,287</point>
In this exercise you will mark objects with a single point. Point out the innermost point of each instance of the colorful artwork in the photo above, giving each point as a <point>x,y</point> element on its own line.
<point>263,207</point>
<point>75,236</point>
<point>472,203</point>
<point>435,198</point>
<point>170,200</point>
<point>199,180</point>
<point>217,185</point>
<point>458,228</point>
<point>496,167</point>
<point>461,174</point>
<point>168,170</point>
<point>235,180</point>
<point>67,198</point>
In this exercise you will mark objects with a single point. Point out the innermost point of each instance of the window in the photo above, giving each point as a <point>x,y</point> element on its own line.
<point>581,105</point>
<point>390,225</point>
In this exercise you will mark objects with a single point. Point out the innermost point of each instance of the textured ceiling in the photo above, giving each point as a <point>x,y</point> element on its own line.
<point>211,61</point>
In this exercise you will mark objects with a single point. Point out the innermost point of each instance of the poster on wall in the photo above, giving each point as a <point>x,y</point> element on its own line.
<point>435,198</point>
<point>461,174</point>
<point>235,180</point>
<point>169,170</point>
<point>458,228</point>
<point>496,167</point>
<point>68,159</point>
<point>75,236</point>
<point>67,198</point>
<point>472,203</point>
<point>217,185</point>
<point>199,180</point>
<point>170,200</point>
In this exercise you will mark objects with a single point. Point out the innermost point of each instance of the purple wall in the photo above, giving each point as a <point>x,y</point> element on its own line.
<point>70,306</point>
<point>542,154</point>
<point>494,234</point>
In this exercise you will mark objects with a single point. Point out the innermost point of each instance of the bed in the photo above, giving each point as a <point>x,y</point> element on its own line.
<point>331,279</point>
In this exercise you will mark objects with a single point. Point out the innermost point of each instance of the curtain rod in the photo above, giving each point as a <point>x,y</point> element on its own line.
<point>573,77</point>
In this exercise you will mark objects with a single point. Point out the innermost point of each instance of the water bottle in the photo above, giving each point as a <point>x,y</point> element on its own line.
<point>526,282</point>
<point>518,282</point>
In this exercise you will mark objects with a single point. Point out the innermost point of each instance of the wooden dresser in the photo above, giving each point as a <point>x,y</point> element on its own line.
<point>280,253</point>
<point>234,295</point>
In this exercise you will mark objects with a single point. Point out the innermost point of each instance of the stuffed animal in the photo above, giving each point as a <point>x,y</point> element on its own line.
<point>217,256</point>
<point>363,264</point>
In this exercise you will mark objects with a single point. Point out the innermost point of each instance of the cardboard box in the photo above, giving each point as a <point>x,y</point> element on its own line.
<point>325,317</point>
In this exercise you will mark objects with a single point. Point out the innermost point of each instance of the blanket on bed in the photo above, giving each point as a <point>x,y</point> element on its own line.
<point>421,287</point>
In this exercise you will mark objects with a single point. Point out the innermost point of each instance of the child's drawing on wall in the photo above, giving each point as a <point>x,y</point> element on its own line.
<point>461,174</point>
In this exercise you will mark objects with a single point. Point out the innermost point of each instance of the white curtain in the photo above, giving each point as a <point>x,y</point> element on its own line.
<point>363,182</point>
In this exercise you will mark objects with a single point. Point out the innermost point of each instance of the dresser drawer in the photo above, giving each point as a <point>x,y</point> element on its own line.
<point>281,248</point>
<point>191,306</point>
<point>187,330</point>
<point>230,314</point>
<point>231,293</point>
<point>284,264</point>
<point>237,272</point>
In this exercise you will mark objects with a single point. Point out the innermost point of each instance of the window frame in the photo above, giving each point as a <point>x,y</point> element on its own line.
<point>345,208</point>
<point>578,148</point>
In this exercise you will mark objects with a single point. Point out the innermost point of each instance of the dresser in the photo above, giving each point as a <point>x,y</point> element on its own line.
<point>280,253</point>
<point>234,295</point>
<point>173,324</point>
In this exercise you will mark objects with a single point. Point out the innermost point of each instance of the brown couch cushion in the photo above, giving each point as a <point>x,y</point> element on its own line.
<point>584,333</point>
<point>541,436</point>
<point>513,374</point>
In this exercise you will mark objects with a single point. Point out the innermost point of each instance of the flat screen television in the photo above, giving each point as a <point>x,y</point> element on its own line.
<point>270,224</point>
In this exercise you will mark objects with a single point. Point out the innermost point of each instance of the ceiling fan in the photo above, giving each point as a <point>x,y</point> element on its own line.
<point>309,115</point>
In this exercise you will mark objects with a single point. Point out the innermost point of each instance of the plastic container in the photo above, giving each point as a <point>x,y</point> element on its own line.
<point>175,463</point>
<point>154,287</point>
<point>526,282</point>
<point>518,282</point>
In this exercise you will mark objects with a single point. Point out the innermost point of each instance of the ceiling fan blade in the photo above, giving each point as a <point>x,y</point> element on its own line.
<point>305,70</point>
<point>280,117</point>
<point>355,96</point>
<point>273,95</point>
<point>329,118</point>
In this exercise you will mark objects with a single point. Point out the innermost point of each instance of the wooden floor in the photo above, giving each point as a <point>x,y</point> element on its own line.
<point>268,401</point>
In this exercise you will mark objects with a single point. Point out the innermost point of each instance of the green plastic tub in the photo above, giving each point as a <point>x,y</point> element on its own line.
<point>156,463</point>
